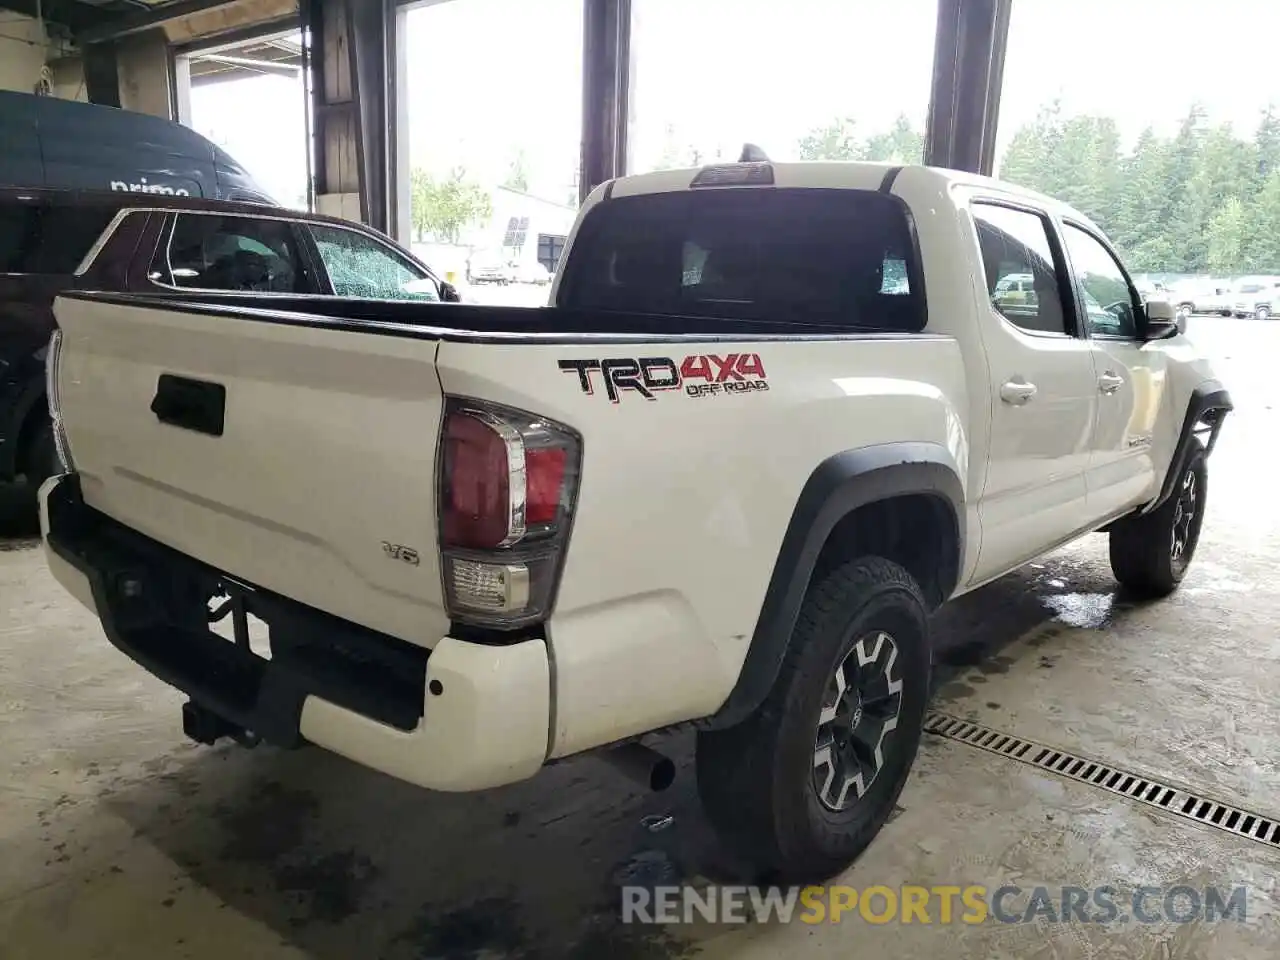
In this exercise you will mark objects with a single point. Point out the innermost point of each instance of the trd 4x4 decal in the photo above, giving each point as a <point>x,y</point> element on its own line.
<point>699,375</point>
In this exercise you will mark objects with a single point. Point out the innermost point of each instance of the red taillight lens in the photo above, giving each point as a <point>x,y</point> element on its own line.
<point>544,478</point>
<point>508,482</point>
<point>477,490</point>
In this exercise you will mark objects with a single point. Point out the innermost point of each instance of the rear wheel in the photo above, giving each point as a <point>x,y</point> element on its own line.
<point>1262,313</point>
<point>1184,311</point>
<point>1150,554</point>
<point>804,784</point>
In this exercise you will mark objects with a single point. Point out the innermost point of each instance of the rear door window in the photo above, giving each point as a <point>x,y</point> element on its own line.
<point>67,233</point>
<point>48,238</point>
<point>229,253</point>
<point>835,259</point>
<point>1024,279</point>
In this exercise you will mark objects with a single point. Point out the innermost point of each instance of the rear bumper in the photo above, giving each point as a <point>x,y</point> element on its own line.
<point>462,716</point>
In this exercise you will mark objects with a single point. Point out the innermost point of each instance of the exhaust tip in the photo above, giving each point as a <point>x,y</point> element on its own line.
<point>643,765</point>
<point>662,775</point>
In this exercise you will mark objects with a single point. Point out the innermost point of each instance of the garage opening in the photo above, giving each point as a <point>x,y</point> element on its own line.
<point>249,98</point>
<point>495,100</point>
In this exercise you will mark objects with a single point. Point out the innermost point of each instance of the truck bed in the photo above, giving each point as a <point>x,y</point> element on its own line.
<point>325,462</point>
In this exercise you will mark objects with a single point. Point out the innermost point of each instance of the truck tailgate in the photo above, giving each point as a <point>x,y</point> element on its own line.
<point>291,456</point>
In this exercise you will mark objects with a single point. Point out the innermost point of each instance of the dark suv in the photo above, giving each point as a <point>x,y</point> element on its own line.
<point>210,247</point>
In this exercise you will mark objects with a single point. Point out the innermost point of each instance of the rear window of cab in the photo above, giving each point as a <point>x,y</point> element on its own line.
<point>832,259</point>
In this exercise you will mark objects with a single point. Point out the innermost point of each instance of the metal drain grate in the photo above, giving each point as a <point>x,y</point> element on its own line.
<point>1190,806</point>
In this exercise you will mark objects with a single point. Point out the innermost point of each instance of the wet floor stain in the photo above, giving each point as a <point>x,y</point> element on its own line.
<point>614,941</point>
<point>329,888</point>
<point>267,824</point>
<point>955,691</point>
<point>486,928</point>
<point>1086,611</point>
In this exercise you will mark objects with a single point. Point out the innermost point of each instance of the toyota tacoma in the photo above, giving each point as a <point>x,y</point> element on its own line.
<point>773,416</point>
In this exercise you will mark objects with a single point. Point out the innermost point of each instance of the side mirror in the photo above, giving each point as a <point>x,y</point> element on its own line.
<point>449,293</point>
<point>1162,321</point>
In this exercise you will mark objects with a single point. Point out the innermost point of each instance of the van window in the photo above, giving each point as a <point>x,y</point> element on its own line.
<point>839,259</point>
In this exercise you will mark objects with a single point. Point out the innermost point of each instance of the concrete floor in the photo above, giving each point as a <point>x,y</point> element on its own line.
<point>119,839</point>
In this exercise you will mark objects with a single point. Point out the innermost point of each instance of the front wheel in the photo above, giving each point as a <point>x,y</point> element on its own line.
<point>1184,311</point>
<point>807,781</point>
<point>1262,313</point>
<point>1150,553</point>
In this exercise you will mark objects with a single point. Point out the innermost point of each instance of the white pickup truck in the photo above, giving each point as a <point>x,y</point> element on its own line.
<point>775,415</point>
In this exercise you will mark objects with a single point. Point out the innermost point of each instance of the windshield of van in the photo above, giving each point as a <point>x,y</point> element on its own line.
<point>832,258</point>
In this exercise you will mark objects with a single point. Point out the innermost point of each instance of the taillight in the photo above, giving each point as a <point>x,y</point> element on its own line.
<point>508,480</point>
<point>53,393</point>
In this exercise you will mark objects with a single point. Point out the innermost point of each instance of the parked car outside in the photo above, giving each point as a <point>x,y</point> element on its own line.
<point>533,272</point>
<point>490,270</point>
<point>1017,289</point>
<point>1257,297</point>
<point>1205,296</point>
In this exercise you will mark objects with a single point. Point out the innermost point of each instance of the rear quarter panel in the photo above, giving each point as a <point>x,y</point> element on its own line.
<point>684,501</point>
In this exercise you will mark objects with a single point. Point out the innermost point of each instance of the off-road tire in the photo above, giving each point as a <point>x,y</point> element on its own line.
<point>1142,547</point>
<point>757,779</point>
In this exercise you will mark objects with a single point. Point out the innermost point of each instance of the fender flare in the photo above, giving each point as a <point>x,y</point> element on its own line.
<point>841,484</point>
<point>1209,403</point>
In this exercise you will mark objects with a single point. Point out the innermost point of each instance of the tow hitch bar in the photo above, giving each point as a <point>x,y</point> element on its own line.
<point>204,726</point>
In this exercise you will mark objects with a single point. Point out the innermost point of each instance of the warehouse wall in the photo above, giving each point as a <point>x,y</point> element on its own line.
<point>23,50</point>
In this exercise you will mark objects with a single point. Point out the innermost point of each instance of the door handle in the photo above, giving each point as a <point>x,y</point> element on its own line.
<point>1017,392</point>
<point>1110,383</point>
<point>190,404</point>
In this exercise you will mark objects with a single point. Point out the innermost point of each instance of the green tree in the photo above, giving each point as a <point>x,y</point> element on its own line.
<point>1204,199</point>
<point>1261,247</point>
<point>1225,236</point>
<point>838,140</point>
<point>1141,231</point>
<point>518,174</point>
<point>1267,143</point>
<point>1029,158</point>
<point>677,152</point>
<point>443,209</point>
<point>901,144</point>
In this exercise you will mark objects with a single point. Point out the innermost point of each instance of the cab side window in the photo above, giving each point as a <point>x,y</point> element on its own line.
<point>242,254</point>
<point>1109,302</point>
<point>1023,280</point>
<point>360,266</point>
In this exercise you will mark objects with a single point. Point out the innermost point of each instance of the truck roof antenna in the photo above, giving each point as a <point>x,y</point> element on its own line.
<point>752,154</point>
